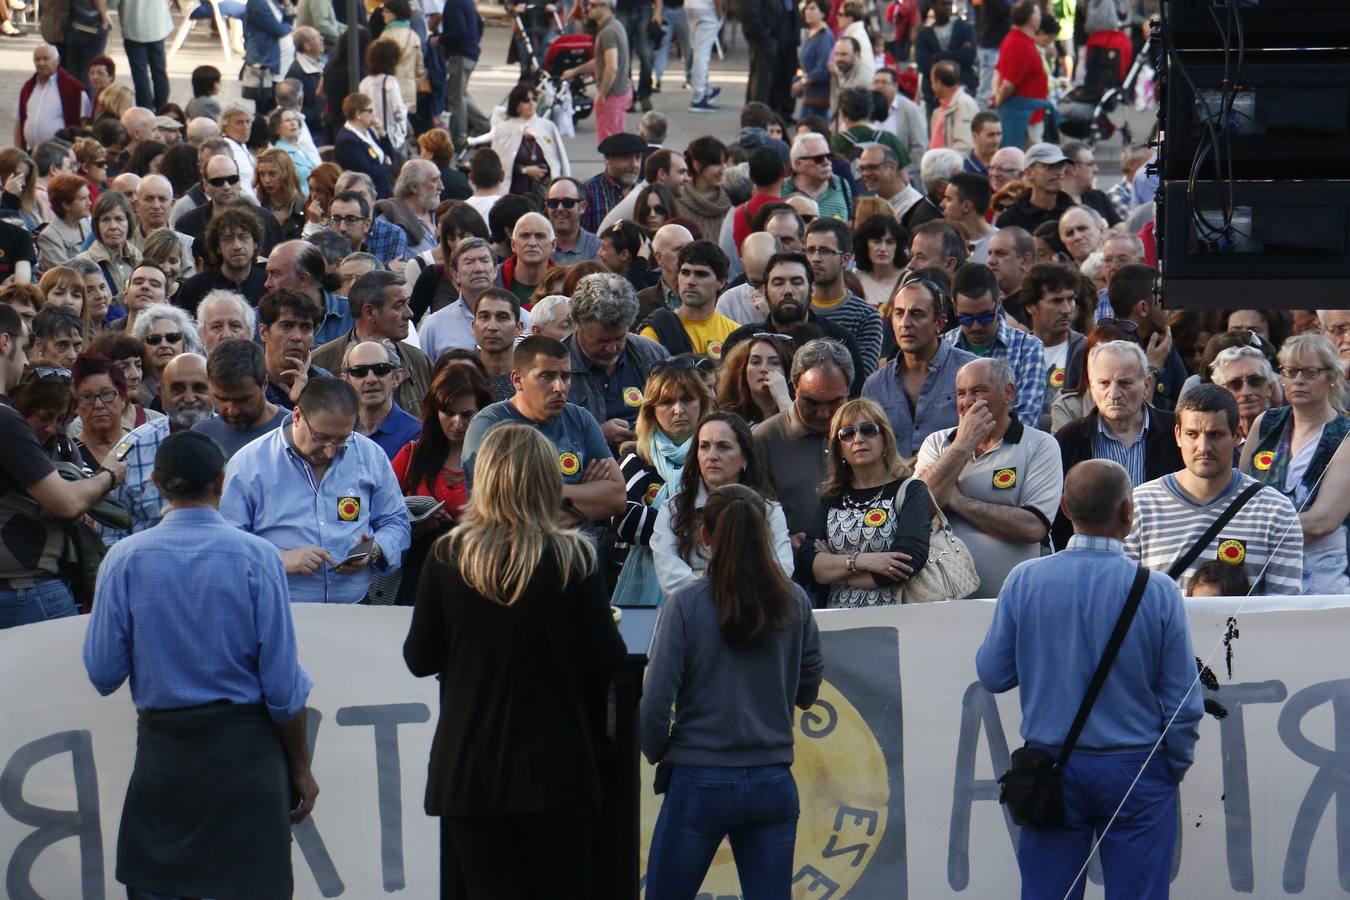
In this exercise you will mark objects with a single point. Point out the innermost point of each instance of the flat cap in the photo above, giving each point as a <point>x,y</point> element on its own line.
<point>622,144</point>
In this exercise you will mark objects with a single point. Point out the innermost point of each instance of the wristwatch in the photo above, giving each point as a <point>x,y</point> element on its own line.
<point>375,555</point>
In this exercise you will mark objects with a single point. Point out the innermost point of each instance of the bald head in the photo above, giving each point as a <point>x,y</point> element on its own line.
<point>1098,498</point>
<point>803,205</point>
<point>530,221</point>
<point>1005,165</point>
<point>126,184</point>
<point>667,243</point>
<point>153,201</point>
<point>755,253</point>
<point>45,61</point>
<point>185,365</point>
<point>139,123</point>
<point>201,129</point>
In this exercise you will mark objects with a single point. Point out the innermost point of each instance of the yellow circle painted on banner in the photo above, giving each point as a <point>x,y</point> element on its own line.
<point>844,795</point>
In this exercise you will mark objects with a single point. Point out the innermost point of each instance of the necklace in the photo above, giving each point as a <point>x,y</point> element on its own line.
<point>851,503</point>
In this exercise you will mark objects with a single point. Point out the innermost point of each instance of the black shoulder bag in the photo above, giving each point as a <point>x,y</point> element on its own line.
<point>1032,789</point>
<point>1183,562</point>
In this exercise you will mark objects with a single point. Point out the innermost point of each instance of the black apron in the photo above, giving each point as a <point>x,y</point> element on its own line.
<point>207,812</point>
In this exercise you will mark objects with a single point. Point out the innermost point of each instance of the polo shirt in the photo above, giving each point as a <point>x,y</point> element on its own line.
<point>232,440</point>
<point>396,429</point>
<point>587,247</point>
<point>1022,470</point>
<point>1019,62</point>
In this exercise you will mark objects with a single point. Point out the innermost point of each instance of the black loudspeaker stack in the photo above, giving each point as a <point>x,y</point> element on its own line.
<point>1254,157</point>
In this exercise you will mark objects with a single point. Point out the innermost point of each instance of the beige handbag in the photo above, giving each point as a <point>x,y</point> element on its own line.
<point>950,573</point>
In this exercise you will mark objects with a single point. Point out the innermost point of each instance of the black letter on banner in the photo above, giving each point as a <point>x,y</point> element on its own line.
<point>1332,779</point>
<point>819,726</point>
<point>1237,803</point>
<point>307,835</point>
<point>817,879</point>
<point>977,709</point>
<point>859,816</point>
<point>386,718</point>
<point>54,825</point>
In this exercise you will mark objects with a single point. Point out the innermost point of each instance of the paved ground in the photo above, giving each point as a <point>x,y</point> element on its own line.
<point>491,82</point>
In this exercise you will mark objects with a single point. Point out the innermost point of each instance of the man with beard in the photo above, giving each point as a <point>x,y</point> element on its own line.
<point>906,119</point>
<point>883,175</point>
<point>153,201</point>
<point>417,193</point>
<point>231,243</point>
<point>917,389</point>
<point>187,401</point>
<point>787,291</point>
<point>237,374</point>
<point>829,247</point>
<point>623,159</point>
<point>847,69</point>
<point>373,368</point>
<point>696,326</point>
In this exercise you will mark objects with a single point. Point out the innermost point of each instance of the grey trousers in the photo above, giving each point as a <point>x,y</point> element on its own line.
<point>463,110</point>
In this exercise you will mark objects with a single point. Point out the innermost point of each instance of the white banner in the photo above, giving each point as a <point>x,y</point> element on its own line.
<point>896,762</point>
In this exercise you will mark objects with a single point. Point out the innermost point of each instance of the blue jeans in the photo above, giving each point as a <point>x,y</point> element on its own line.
<point>635,20</point>
<point>679,29</point>
<point>988,59</point>
<point>49,599</point>
<point>147,64</point>
<point>1136,852</point>
<point>755,807</point>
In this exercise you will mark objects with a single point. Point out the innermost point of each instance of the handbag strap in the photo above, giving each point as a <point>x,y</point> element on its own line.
<point>1184,561</point>
<point>1104,666</point>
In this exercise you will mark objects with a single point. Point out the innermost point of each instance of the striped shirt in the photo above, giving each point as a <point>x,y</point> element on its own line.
<point>1025,354</point>
<point>1105,445</point>
<point>1168,521</point>
<point>860,319</point>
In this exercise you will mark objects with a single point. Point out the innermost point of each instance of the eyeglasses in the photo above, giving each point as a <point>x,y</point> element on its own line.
<point>984,318</point>
<point>823,158</point>
<point>1235,384</point>
<point>222,180</point>
<point>380,370</point>
<point>684,361</point>
<point>1124,325</point>
<point>564,202</point>
<point>323,440</point>
<point>106,397</point>
<point>1339,331</point>
<point>822,251</point>
<point>173,337</point>
<point>346,220</point>
<point>1308,372</point>
<point>877,167</point>
<point>866,429</point>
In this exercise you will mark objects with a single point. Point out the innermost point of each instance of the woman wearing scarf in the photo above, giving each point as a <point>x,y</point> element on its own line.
<point>676,399</point>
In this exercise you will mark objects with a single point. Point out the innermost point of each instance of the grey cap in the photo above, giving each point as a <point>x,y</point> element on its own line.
<point>168,122</point>
<point>1046,155</point>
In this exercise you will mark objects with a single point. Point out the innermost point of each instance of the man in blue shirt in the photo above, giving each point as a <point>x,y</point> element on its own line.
<point>1052,622</point>
<point>541,373</point>
<point>213,682</point>
<point>237,374</point>
<point>299,266</point>
<point>318,491</point>
<point>373,368</point>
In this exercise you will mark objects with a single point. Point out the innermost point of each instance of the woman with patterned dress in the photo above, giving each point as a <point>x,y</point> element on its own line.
<point>875,519</point>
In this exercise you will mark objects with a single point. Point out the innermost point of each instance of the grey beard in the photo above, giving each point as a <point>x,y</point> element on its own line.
<point>184,417</point>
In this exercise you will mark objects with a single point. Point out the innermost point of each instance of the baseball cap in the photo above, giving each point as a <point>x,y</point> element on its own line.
<point>1045,154</point>
<point>168,122</point>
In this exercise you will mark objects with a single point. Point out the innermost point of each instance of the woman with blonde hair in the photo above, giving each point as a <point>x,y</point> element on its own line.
<point>513,615</point>
<point>277,185</point>
<point>875,519</point>
<point>1291,447</point>
<point>672,403</point>
<point>91,159</point>
<point>18,175</point>
<point>115,99</point>
<point>63,288</point>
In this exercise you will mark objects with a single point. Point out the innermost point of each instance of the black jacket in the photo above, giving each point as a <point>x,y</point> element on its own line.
<point>1161,455</point>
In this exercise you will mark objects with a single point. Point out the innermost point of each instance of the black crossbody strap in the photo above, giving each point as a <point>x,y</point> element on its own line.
<point>1103,667</point>
<point>1184,561</point>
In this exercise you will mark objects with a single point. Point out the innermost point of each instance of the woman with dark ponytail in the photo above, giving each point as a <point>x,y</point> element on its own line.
<point>733,652</point>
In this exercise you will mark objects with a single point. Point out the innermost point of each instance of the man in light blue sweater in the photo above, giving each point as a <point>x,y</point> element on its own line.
<point>1053,620</point>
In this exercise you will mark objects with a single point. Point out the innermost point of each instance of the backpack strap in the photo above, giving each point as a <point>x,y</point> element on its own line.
<point>669,331</point>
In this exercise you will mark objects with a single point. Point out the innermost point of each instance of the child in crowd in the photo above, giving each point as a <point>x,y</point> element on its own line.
<point>205,87</point>
<point>1219,579</point>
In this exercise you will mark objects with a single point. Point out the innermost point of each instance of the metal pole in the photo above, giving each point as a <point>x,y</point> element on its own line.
<point>353,49</point>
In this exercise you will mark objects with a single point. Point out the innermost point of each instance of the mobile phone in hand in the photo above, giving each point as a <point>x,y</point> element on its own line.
<point>357,553</point>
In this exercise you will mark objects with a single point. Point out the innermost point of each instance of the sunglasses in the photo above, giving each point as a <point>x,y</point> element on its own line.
<point>866,429</point>
<point>51,372</point>
<point>679,363</point>
<point>1235,384</point>
<point>564,202</point>
<point>982,318</point>
<point>822,158</point>
<point>1124,325</point>
<point>770,336</point>
<point>380,370</point>
<point>222,180</point>
<point>173,337</point>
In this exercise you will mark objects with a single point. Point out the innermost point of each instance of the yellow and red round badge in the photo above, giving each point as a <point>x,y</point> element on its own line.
<point>349,508</point>
<point>1005,478</point>
<point>875,517</point>
<point>714,350</point>
<point>569,463</point>
<point>1056,379</point>
<point>1264,460</point>
<point>632,397</point>
<point>1232,551</point>
<point>652,491</point>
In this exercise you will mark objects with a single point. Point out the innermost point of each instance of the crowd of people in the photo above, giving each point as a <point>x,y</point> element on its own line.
<point>739,380</point>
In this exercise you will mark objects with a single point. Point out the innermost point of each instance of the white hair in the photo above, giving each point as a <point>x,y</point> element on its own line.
<point>940,165</point>
<point>541,217</point>
<point>1229,355</point>
<point>221,295</point>
<point>1124,349</point>
<point>549,310</point>
<point>192,340</point>
<point>799,144</point>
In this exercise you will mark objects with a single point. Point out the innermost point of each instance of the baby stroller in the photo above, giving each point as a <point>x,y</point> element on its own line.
<point>565,52</point>
<point>1085,112</point>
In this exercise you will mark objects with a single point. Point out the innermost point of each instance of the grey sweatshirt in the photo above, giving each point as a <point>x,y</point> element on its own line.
<point>732,706</point>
